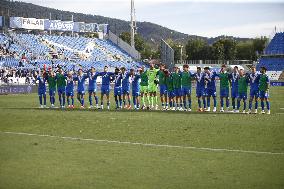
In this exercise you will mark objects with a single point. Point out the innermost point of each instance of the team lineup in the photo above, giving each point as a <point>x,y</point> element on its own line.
<point>175,88</point>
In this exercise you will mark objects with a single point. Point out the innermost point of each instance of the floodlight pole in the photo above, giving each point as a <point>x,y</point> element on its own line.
<point>132,25</point>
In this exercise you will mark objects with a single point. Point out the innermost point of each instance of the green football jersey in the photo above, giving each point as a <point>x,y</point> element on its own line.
<point>51,82</point>
<point>242,84</point>
<point>61,81</point>
<point>263,82</point>
<point>169,83</point>
<point>186,79</point>
<point>144,79</point>
<point>152,75</point>
<point>224,80</point>
<point>162,76</point>
<point>177,80</point>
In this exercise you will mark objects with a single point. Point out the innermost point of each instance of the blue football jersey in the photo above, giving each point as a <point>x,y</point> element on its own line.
<point>125,80</point>
<point>41,83</point>
<point>211,80</point>
<point>106,77</point>
<point>81,82</point>
<point>254,80</point>
<point>93,80</point>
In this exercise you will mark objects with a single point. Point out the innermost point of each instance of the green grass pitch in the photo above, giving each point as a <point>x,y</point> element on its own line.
<point>38,162</point>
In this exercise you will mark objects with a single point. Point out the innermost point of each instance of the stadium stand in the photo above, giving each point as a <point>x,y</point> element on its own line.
<point>273,58</point>
<point>68,52</point>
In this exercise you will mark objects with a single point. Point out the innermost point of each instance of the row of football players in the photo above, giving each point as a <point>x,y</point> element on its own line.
<point>175,88</point>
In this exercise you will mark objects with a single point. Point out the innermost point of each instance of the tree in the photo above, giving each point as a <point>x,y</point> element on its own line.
<point>259,44</point>
<point>198,49</point>
<point>224,49</point>
<point>245,51</point>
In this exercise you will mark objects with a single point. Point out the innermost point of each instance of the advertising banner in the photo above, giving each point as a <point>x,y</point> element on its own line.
<point>1,21</point>
<point>16,89</point>
<point>59,25</point>
<point>27,23</point>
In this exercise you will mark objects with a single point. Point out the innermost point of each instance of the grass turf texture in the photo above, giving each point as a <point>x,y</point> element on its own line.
<point>43,162</point>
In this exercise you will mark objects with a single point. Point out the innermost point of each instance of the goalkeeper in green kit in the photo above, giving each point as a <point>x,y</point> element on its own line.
<point>152,74</point>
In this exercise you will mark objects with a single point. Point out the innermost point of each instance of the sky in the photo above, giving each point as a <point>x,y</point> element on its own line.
<point>209,18</point>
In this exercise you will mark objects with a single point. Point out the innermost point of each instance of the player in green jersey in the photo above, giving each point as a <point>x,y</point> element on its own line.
<point>61,87</point>
<point>152,74</point>
<point>177,88</point>
<point>51,80</point>
<point>163,87</point>
<point>186,78</point>
<point>144,88</point>
<point>242,90</point>
<point>224,87</point>
<point>264,90</point>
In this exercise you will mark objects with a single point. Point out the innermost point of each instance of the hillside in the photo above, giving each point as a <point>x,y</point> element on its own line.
<point>152,33</point>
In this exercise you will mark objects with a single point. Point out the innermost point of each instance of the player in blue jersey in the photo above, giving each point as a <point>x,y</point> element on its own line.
<point>92,88</point>
<point>106,78</point>
<point>200,89</point>
<point>254,89</point>
<point>125,88</point>
<point>136,78</point>
<point>117,88</point>
<point>70,90</point>
<point>264,90</point>
<point>234,76</point>
<point>41,89</point>
<point>210,89</point>
<point>81,79</point>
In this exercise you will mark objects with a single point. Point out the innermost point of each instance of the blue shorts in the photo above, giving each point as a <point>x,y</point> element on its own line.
<point>224,92</point>
<point>135,93</point>
<point>105,89</point>
<point>125,90</point>
<point>200,92</point>
<point>254,93</point>
<point>242,95</point>
<point>264,94</point>
<point>52,92</point>
<point>117,91</point>
<point>41,92</point>
<point>81,92</point>
<point>234,92</point>
<point>210,92</point>
<point>61,90</point>
<point>163,89</point>
<point>178,92</point>
<point>171,94</point>
<point>92,90</point>
<point>69,93</point>
<point>186,91</point>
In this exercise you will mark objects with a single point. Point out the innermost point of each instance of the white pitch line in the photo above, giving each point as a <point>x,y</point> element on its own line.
<point>145,144</point>
<point>281,108</point>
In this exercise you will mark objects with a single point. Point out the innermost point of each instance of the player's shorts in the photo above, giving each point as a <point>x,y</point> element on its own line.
<point>254,93</point>
<point>52,92</point>
<point>210,92</point>
<point>144,89</point>
<point>171,94</point>
<point>242,95</point>
<point>81,92</point>
<point>234,92</point>
<point>92,90</point>
<point>117,91</point>
<point>178,92</point>
<point>224,92</point>
<point>135,93</point>
<point>186,91</point>
<point>61,90</point>
<point>264,94</point>
<point>125,90</point>
<point>69,93</point>
<point>163,89</point>
<point>41,92</point>
<point>105,89</point>
<point>152,88</point>
<point>200,92</point>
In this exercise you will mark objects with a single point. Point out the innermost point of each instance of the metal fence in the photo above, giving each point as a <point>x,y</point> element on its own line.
<point>167,55</point>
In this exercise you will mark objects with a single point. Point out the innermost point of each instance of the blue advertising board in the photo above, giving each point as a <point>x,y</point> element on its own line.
<point>16,89</point>
<point>276,84</point>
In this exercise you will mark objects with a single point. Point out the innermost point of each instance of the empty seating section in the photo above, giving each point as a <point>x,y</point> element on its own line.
<point>272,64</point>
<point>276,45</point>
<point>71,52</point>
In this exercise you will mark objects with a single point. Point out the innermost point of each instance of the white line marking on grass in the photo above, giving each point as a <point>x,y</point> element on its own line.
<point>281,108</point>
<point>145,144</point>
<point>280,113</point>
